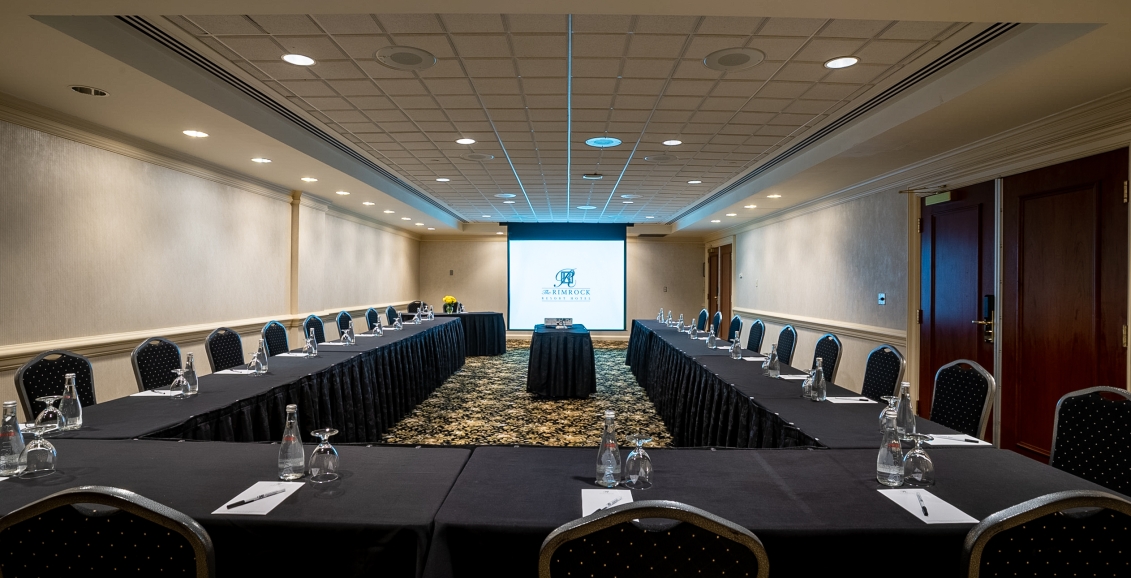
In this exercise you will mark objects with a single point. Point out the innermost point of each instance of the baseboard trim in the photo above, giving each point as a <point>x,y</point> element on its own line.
<point>896,337</point>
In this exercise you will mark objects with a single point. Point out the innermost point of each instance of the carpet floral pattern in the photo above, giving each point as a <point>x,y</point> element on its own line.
<point>486,403</point>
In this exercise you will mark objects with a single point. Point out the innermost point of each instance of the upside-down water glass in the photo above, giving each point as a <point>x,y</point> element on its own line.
<point>51,417</point>
<point>918,469</point>
<point>638,465</point>
<point>324,459</point>
<point>39,457</point>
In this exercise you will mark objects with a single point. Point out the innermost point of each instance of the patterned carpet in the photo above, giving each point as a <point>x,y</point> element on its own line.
<point>486,403</point>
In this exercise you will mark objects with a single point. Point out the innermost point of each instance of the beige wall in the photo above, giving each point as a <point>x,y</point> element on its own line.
<point>472,270</point>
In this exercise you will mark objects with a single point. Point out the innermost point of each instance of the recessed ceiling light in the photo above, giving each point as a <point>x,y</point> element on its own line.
<point>367,203</point>
<point>260,160</point>
<point>630,196</point>
<point>731,59</point>
<point>694,182</point>
<point>431,228</point>
<point>750,207</point>
<point>508,202</point>
<point>343,192</point>
<point>405,58</point>
<point>442,180</point>
<point>419,224</point>
<point>603,142</point>
<point>672,143</point>
<point>89,90</point>
<point>732,214</point>
<point>773,196</point>
<point>842,62</point>
<point>627,202</point>
<point>298,59</point>
<point>309,180</point>
<point>649,217</point>
<point>388,212</point>
<point>195,133</point>
<point>505,195</point>
<point>715,221</point>
<point>499,233</point>
<point>593,176</point>
<point>465,141</point>
<point>406,218</point>
<point>486,216</point>
<point>587,207</point>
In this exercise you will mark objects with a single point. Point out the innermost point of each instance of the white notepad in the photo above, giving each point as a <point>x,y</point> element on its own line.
<point>264,506</point>
<point>235,372</point>
<point>848,400</point>
<point>338,343</point>
<point>155,393</point>
<point>793,377</point>
<point>593,500</point>
<point>939,511</point>
<point>291,354</point>
<point>955,440</point>
<point>754,358</point>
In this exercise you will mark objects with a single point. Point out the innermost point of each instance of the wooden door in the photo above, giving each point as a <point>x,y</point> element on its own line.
<point>712,283</point>
<point>1065,285</point>
<point>957,272</point>
<point>725,284</point>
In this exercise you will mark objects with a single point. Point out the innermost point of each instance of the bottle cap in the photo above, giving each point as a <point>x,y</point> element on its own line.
<point>609,413</point>
<point>8,404</point>
<point>292,407</point>
<point>68,376</point>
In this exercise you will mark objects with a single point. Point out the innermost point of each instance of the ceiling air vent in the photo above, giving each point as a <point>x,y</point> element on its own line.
<point>731,59</point>
<point>405,58</point>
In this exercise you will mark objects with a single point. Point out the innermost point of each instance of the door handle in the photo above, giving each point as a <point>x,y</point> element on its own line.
<point>987,329</point>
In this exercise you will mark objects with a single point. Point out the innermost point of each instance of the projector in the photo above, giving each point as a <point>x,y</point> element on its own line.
<point>559,322</point>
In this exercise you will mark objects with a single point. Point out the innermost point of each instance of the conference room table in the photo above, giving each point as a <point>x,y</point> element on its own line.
<point>484,332</point>
<point>360,390</point>
<point>561,363</point>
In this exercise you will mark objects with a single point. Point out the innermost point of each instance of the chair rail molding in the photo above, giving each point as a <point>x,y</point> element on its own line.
<point>896,337</point>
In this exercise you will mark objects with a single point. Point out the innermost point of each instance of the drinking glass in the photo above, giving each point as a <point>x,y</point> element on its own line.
<point>918,469</point>
<point>892,400</point>
<point>324,458</point>
<point>638,466</point>
<point>180,385</point>
<point>51,417</point>
<point>39,456</point>
<point>255,365</point>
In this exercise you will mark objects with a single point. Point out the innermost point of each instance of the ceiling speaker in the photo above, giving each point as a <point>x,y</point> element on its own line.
<point>732,59</point>
<point>661,159</point>
<point>405,58</point>
<point>480,157</point>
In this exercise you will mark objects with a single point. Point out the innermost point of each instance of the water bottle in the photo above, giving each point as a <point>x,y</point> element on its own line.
<point>889,461</point>
<point>261,354</point>
<point>190,375</point>
<point>312,343</point>
<point>660,315</point>
<point>608,456</point>
<point>461,309</point>
<point>773,364</point>
<point>735,350</point>
<point>11,441</point>
<point>711,340</point>
<point>905,420</point>
<point>351,334</point>
<point>679,323</point>
<point>69,406</point>
<point>819,386</point>
<point>292,459</point>
<point>694,331</point>
<point>416,318</point>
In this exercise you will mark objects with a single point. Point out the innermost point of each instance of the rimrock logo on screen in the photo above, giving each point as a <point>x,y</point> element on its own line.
<point>565,288</point>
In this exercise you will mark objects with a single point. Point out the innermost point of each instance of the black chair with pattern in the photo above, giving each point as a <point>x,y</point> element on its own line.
<point>372,318</point>
<point>828,348</point>
<point>1074,533</point>
<point>717,322</point>
<point>787,340</point>
<point>735,329</point>
<point>224,348</point>
<point>962,396</point>
<point>415,306</point>
<point>883,372</point>
<point>755,335</point>
<point>675,539</point>
<point>391,315</point>
<point>1091,437</point>
<point>108,532</point>
<point>46,374</point>
<point>275,339</point>
<point>343,321</point>
<point>314,322</point>
<point>701,323</point>
<point>154,361</point>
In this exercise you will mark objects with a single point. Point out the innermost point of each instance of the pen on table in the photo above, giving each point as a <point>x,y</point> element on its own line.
<point>610,504</point>
<point>921,504</point>
<point>255,499</point>
<point>970,441</point>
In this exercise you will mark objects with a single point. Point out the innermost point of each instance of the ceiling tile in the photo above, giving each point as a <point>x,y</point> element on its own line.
<point>537,23</point>
<point>802,71</point>
<point>473,22</point>
<point>366,102</point>
<point>598,101</point>
<point>665,24</point>
<point>701,46</point>
<point>859,74</point>
<point>501,67</point>
<point>496,85</point>
<point>648,68</point>
<point>481,46</point>
<point>308,87</point>
<point>341,116</point>
<point>740,88</point>
<point>341,24</point>
<point>694,69</point>
<point>444,68</point>
<point>400,86</point>
<point>362,47</point>
<point>337,69</point>
<point>791,26</point>
<point>316,47</point>
<point>602,86</point>
<point>254,47</point>
<point>766,105</point>
<point>915,30</point>
<point>381,116</point>
<point>723,103</point>
<point>535,67</point>
<point>287,24</point>
<point>225,24</point>
<point>734,25</point>
<point>655,46</point>
<point>590,67</point>
<point>457,101</point>
<point>854,28</point>
<point>410,23</point>
<point>829,91</point>
<point>278,70</point>
<point>444,86</point>
<point>603,45</point>
<point>779,89</point>
<point>689,87</point>
<point>437,44</point>
<point>777,49</point>
<point>887,51</point>
<point>540,46</point>
<point>544,85</point>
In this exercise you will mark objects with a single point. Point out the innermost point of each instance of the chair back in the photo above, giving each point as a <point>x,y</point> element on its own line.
<point>343,320</point>
<point>962,396</point>
<point>615,542</point>
<point>275,338</point>
<point>717,322</point>
<point>828,349</point>
<point>154,361</point>
<point>883,372</point>
<point>313,322</point>
<point>755,335</point>
<point>372,318</point>
<point>787,340</point>
<point>415,306</point>
<point>1075,533</point>
<point>701,323</point>
<point>1091,437</point>
<point>108,532</point>
<point>391,315</point>
<point>735,329</point>
<point>224,348</point>
<point>45,375</point>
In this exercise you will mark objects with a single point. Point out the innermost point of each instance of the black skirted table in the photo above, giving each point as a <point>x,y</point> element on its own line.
<point>561,363</point>
<point>484,332</point>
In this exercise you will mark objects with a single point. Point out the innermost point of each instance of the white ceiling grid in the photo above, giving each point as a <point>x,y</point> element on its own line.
<point>501,80</point>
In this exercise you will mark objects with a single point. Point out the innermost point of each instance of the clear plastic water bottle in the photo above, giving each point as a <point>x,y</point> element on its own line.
<point>679,323</point>
<point>292,457</point>
<point>735,350</point>
<point>773,364</point>
<point>819,386</point>
<point>190,375</point>
<point>905,420</point>
<point>660,315</point>
<point>711,339</point>
<point>889,461</point>
<point>352,335</point>
<point>311,349</point>
<point>11,441</point>
<point>69,406</point>
<point>608,455</point>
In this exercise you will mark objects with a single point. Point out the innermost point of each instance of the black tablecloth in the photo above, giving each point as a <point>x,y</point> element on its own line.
<point>561,363</point>
<point>361,391</point>
<point>815,511</point>
<point>485,332</point>
<point>376,520</point>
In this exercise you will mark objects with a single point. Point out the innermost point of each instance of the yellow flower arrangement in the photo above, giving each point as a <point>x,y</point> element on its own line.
<point>448,299</point>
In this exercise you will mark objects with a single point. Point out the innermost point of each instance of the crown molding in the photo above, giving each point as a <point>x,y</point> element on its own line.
<point>896,337</point>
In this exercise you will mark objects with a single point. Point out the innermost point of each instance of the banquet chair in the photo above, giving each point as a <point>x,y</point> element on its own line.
<point>154,361</point>
<point>755,335</point>
<point>962,396</point>
<point>45,375</point>
<point>787,340</point>
<point>1073,533</point>
<point>391,315</point>
<point>701,323</point>
<point>102,531</point>
<point>224,348</point>
<point>1091,437</point>
<point>883,372</point>
<point>314,322</point>
<point>343,321</point>
<point>618,540</point>
<point>717,322</point>
<point>372,318</point>
<point>828,348</point>
<point>415,306</point>
<point>735,329</point>
<point>274,337</point>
